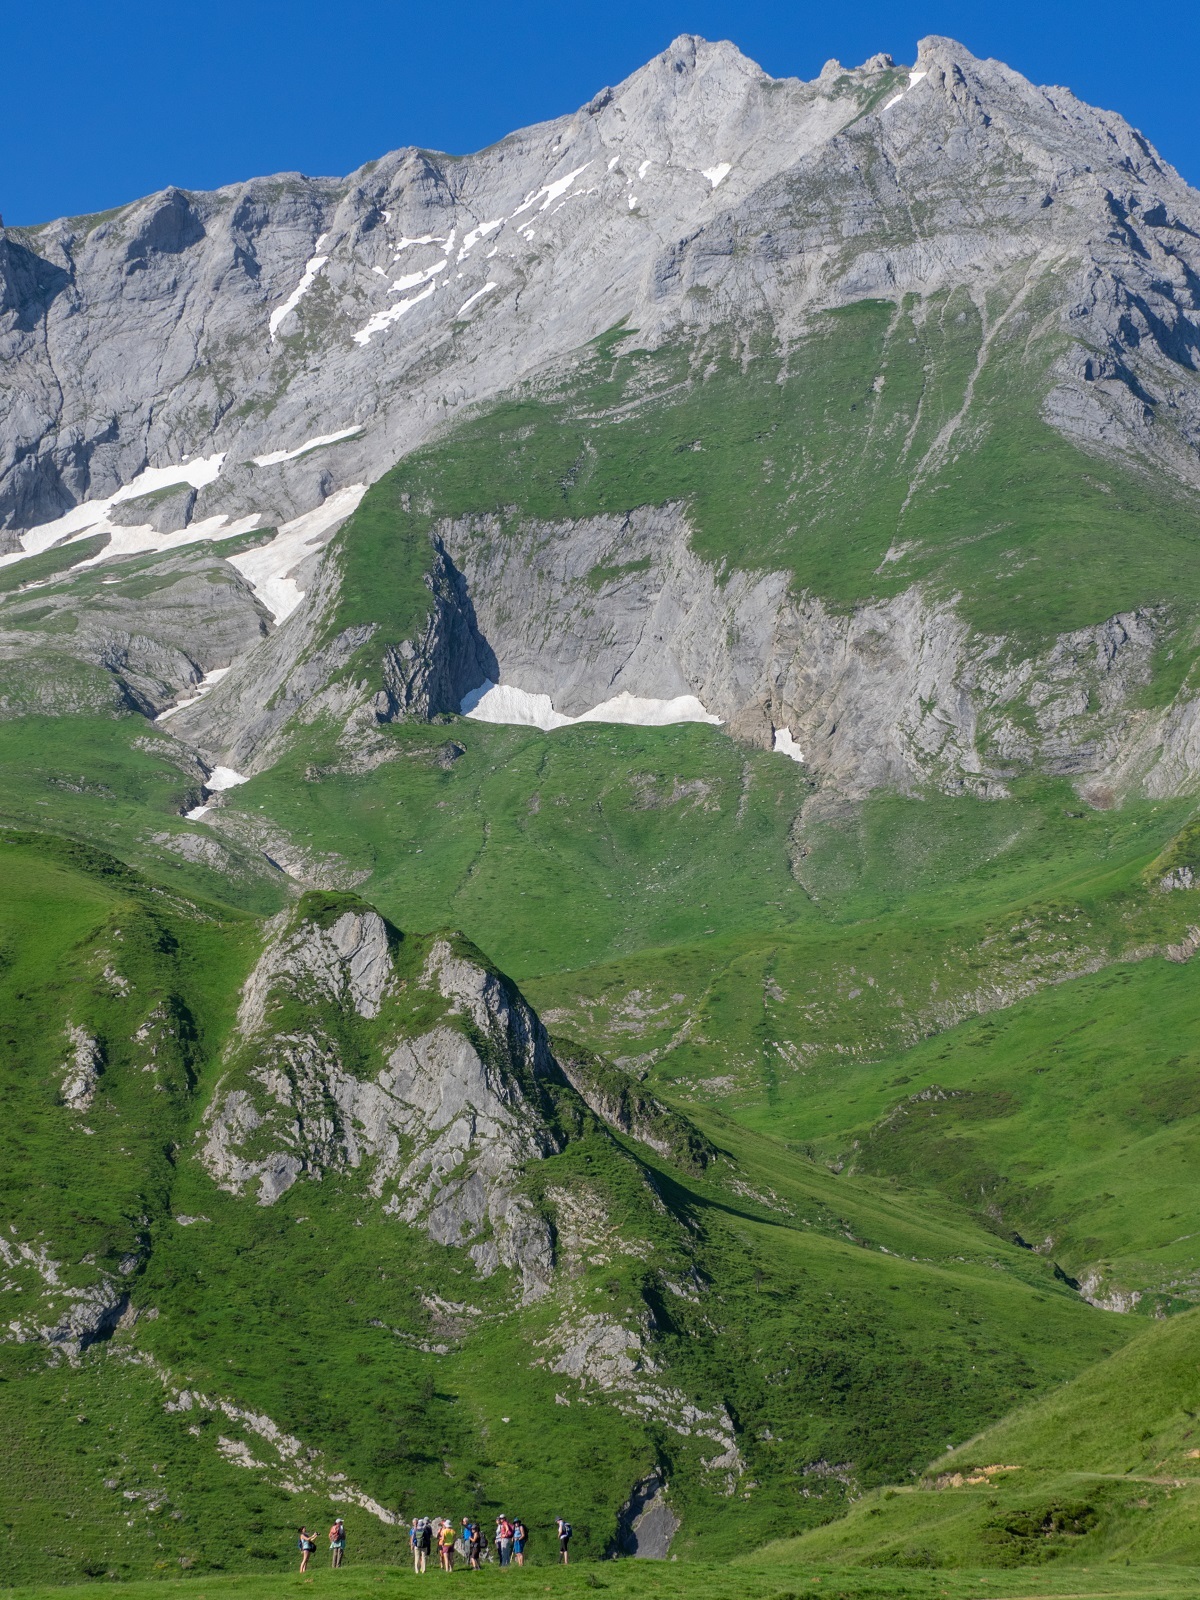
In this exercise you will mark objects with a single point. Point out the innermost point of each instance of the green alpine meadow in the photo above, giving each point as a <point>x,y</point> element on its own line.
<point>600,859</point>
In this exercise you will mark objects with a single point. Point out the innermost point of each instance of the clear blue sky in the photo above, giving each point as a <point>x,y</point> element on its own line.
<point>106,100</point>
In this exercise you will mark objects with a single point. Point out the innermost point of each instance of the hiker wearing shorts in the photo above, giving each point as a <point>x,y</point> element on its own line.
<point>446,1545</point>
<point>473,1540</point>
<point>520,1534</point>
<point>564,1540</point>
<point>308,1546</point>
<point>337,1542</point>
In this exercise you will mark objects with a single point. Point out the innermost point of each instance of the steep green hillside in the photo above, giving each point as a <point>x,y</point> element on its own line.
<point>888,445</point>
<point>1102,1470</point>
<point>770,1336</point>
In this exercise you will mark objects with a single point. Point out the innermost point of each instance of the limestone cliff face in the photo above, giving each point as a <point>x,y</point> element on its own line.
<point>328,1072</point>
<point>296,337</point>
<point>263,316</point>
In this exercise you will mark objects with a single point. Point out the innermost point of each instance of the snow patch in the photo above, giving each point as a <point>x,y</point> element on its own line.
<point>145,540</point>
<point>197,812</point>
<point>786,745</point>
<point>478,295</point>
<point>644,168</point>
<point>426,238</point>
<point>915,77</point>
<point>384,319</point>
<point>505,703</point>
<point>207,682</point>
<point>476,234</point>
<point>615,160</point>
<point>274,457</point>
<point>894,101</point>
<point>551,191</point>
<point>312,269</point>
<point>413,280</point>
<point>267,569</point>
<point>197,472</point>
<point>717,174</point>
<point>633,202</point>
<point>225,778</point>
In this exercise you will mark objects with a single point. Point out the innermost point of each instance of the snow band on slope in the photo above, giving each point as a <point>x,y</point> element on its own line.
<point>268,568</point>
<point>493,702</point>
<point>274,457</point>
<point>312,268</point>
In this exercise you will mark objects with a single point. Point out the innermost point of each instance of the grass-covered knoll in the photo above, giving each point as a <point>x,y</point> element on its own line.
<point>121,784</point>
<point>152,980</point>
<point>1103,1469</point>
<point>888,444</point>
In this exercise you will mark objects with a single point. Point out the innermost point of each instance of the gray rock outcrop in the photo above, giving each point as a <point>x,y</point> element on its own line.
<point>444,1122</point>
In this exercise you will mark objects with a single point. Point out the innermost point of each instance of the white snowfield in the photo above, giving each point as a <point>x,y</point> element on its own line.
<point>717,174</point>
<point>478,295</point>
<point>84,518</point>
<point>207,682</point>
<point>218,779</point>
<point>504,703</point>
<point>267,568</point>
<point>551,191</point>
<point>786,745</point>
<point>224,778</point>
<point>384,319</point>
<point>274,457</point>
<point>312,269</point>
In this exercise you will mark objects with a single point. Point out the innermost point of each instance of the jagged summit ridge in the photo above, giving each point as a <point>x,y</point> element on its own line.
<point>664,168</point>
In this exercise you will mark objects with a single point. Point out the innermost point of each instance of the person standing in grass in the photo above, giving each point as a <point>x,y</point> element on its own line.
<point>337,1542</point>
<point>308,1547</point>
<point>446,1545</point>
<point>504,1539</point>
<point>564,1540</point>
<point>520,1534</point>
<point>425,1541</point>
<point>414,1544</point>
<point>473,1539</point>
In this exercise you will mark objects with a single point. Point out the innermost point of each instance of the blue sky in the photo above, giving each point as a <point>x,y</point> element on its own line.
<point>106,100</point>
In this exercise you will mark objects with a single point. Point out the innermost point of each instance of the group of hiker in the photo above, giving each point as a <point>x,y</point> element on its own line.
<point>470,1542</point>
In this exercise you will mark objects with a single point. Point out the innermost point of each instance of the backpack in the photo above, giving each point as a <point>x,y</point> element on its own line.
<point>567,1531</point>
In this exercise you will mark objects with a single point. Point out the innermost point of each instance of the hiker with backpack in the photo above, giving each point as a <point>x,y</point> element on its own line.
<point>520,1535</point>
<point>504,1539</point>
<point>308,1547</point>
<point>564,1540</point>
<point>337,1542</point>
<point>446,1545</point>
<point>473,1540</point>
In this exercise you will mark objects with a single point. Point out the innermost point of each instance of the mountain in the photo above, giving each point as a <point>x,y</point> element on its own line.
<point>598,805</point>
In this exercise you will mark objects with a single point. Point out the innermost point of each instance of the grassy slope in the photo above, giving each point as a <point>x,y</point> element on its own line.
<point>757,1580</point>
<point>842,1325</point>
<point>1110,1458</point>
<point>118,782</point>
<point>818,461</point>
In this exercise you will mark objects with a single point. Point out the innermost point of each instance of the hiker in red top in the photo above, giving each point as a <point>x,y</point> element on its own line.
<point>337,1542</point>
